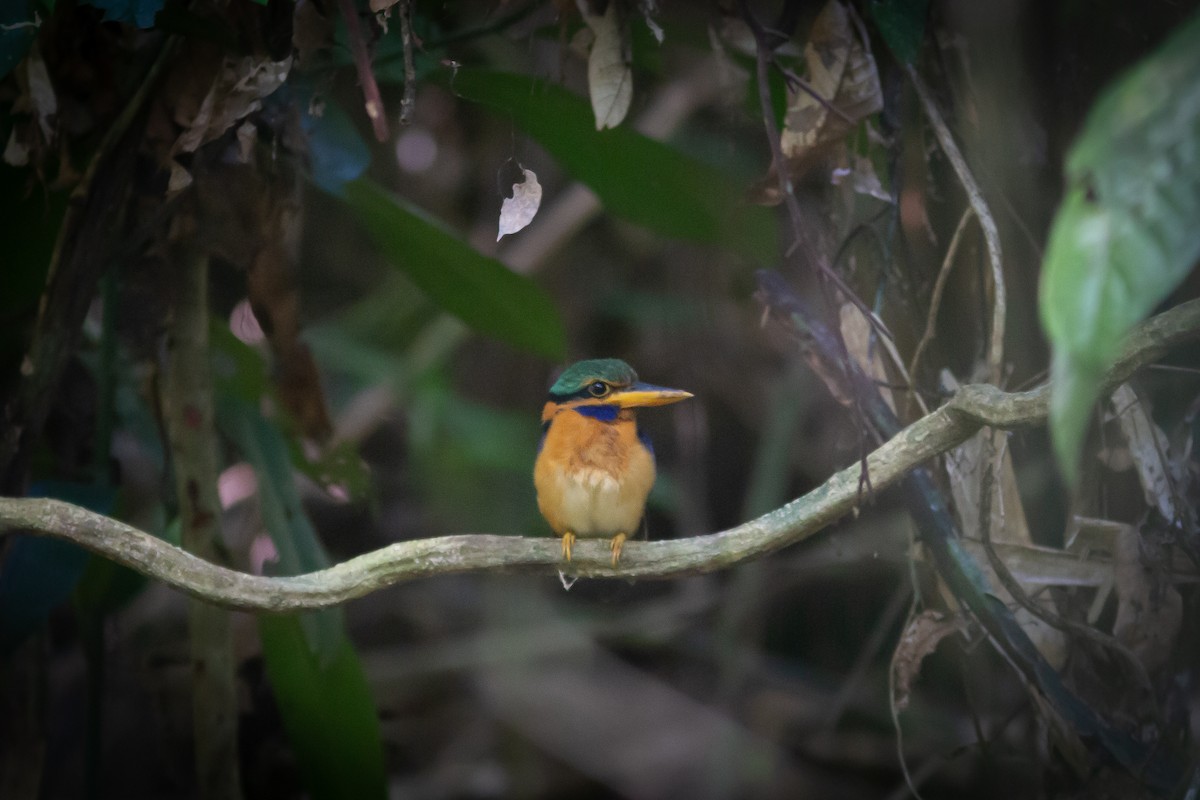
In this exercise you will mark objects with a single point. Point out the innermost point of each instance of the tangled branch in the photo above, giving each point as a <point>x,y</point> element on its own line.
<point>969,410</point>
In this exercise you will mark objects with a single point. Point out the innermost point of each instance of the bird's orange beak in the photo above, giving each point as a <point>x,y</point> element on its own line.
<point>643,394</point>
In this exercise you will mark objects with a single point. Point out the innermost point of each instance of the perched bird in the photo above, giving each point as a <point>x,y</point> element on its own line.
<point>594,470</point>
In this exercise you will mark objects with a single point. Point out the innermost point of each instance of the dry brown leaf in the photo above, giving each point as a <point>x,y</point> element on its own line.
<point>610,78</point>
<point>921,637</point>
<point>861,177</point>
<point>865,350</point>
<point>41,91</point>
<point>518,211</point>
<point>1148,449</point>
<point>842,71</point>
<point>36,98</point>
<point>234,93</point>
<point>649,9</point>
<point>1149,609</point>
<point>965,469</point>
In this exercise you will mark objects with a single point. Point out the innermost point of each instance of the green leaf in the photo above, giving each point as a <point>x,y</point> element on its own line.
<point>1125,234</point>
<point>296,543</point>
<point>480,291</point>
<point>636,177</point>
<point>901,23</point>
<point>327,711</point>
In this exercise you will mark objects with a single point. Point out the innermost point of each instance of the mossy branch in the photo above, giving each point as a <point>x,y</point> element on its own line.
<point>969,410</point>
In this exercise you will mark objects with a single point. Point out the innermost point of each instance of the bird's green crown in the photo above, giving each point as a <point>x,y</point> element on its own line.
<point>576,378</point>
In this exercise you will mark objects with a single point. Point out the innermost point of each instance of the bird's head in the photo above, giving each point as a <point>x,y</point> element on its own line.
<point>603,384</point>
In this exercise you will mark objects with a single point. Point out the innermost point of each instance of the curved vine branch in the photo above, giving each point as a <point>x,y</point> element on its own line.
<point>969,410</point>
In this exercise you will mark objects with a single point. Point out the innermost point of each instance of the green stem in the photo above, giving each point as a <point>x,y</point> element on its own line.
<point>188,413</point>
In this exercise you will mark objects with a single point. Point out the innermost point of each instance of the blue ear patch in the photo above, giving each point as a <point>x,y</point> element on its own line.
<point>602,413</point>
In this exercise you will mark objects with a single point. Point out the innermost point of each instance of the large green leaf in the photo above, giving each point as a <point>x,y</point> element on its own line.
<point>327,711</point>
<point>480,291</point>
<point>323,696</point>
<point>1126,233</point>
<point>636,177</point>
<point>296,544</point>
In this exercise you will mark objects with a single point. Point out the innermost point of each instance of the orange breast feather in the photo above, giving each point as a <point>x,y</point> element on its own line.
<point>593,477</point>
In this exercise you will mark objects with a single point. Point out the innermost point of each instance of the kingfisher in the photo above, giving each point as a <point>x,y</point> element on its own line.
<point>594,470</point>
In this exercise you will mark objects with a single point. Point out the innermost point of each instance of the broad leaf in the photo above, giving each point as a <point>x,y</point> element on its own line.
<point>610,77</point>
<point>327,711</point>
<point>1125,235</point>
<point>480,291</point>
<point>636,177</point>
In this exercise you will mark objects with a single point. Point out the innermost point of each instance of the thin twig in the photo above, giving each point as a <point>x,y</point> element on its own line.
<point>409,100</point>
<point>372,100</point>
<point>972,407</point>
<point>803,239</point>
<point>939,286</point>
<point>895,710</point>
<point>796,82</point>
<point>986,221</point>
<point>188,411</point>
<point>896,605</point>
<point>1018,593</point>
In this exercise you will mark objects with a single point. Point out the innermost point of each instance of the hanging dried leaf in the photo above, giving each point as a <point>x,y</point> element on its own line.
<point>36,78</point>
<point>862,178</point>
<point>519,210</point>
<point>842,71</point>
<point>922,636</point>
<point>1149,608</point>
<point>965,468</point>
<point>1148,450</point>
<point>610,79</point>
<point>865,349</point>
<point>649,9</point>
<point>16,152</point>
<point>37,99</point>
<point>236,92</point>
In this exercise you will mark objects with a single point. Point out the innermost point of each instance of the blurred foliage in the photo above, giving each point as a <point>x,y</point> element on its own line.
<point>434,345</point>
<point>327,709</point>
<point>1125,236</point>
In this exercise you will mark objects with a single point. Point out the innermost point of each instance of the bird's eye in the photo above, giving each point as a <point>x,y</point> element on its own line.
<point>598,389</point>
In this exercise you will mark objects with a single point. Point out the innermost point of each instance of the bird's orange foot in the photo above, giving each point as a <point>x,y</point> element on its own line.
<point>568,540</point>
<point>616,544</point>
